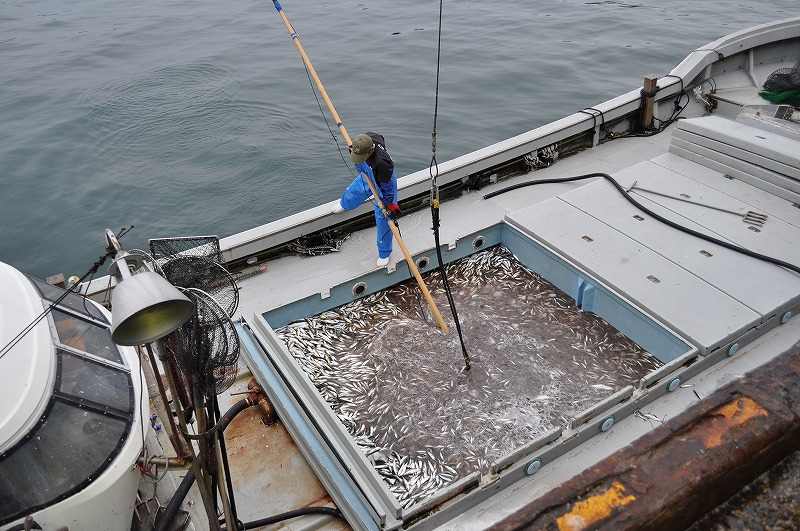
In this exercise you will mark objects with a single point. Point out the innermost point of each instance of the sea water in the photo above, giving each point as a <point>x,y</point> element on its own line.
<point>199,118</point>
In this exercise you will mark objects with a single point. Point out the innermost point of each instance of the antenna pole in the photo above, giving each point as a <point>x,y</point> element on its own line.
<point>412,266</point>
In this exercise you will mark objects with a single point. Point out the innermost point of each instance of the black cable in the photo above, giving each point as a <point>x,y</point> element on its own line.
<point>305,511</point>
<point>225,464</point>
<point>447,290</point>
<point>213,471</point>
<point>594,117</point>
<point>649,212</point>
<point>662,124</point>
<point>110,251</point>
<point>434,172</point>
<point>188,480</point>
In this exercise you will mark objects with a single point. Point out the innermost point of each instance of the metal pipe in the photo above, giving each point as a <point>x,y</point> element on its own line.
<point>171,462</point>
<point>178,442</point>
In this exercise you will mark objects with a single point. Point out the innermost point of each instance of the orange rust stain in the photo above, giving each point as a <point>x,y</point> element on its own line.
<point>728,416</point>
<point>595,508</point>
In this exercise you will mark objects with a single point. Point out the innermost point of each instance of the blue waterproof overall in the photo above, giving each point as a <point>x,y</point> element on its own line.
<point>359,191</point>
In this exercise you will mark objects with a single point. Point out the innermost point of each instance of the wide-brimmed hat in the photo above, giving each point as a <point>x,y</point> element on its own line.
<point>359,151</point>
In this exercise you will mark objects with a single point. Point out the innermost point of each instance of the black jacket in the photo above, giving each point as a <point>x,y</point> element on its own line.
<point>380,161</point>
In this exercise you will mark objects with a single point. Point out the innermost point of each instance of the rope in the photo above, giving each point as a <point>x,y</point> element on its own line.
<point>434,173</point>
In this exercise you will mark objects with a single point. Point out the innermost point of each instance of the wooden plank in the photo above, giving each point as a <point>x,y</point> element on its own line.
<point>649,89</point>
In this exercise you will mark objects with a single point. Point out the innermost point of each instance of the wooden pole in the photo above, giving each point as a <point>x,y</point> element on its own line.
<point>649,94</point>
<point>205,491</point>
<point>178,442</point>
<point>412,266</point>
<point>313,72</point>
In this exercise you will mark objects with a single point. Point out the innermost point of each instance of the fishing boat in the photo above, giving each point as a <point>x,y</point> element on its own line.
<point>616,345</point>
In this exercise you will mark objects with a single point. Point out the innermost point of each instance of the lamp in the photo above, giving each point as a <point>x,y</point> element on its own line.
<point>145,305</point>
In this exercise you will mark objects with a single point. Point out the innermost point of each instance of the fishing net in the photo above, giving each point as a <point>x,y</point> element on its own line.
<point>203,246</point>
<point>206,275</point>
<point>323,242</point>
<point>783,86</point>
<point>206,347</point>
<point>196,262</point>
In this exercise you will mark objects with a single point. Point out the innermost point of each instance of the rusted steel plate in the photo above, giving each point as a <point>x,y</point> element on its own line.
<point>672,476</point>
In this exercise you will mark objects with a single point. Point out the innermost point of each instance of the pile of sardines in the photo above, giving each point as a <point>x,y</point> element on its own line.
<point>397,383</point>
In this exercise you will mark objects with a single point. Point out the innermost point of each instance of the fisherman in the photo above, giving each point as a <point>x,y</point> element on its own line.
<point>372,161</point>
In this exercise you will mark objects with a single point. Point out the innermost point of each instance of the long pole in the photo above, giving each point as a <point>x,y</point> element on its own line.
<point>205,491</point>
<point>412,266</point>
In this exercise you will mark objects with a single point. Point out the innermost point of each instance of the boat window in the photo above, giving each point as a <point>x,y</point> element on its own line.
<point>67,450</point>
<point>94,384</point>
<point>86,336</point>
<point>72,301</point>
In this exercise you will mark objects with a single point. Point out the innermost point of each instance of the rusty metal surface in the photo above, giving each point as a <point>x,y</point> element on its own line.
<point>770,502</point>
<point>675,474</point>
<point>395,381</point>
<point>269,473</point>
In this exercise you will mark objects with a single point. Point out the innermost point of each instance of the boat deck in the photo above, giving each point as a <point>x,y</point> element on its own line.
<point>714,298</point>
<point>655,266</point>
<point>732,177</point>
<point>317,275</point>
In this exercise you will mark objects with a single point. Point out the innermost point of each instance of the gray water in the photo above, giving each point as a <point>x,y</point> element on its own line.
<point>193,118</point>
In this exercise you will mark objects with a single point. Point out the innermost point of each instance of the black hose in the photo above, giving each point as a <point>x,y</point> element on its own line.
<point>188,480</point>
<point>446,284</point>
<point>649,212</point>
<point>176,501</point>
<point>305,511</point>
<point>227,468</point>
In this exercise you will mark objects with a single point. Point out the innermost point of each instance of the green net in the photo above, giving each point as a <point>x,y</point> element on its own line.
<point>783,86</point>
<point>784,97</point>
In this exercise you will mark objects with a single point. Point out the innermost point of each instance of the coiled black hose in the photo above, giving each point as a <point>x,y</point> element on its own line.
<point>183,489</point>
<point>649,212</point>
<point>305,511</point>
<point>188,480</point>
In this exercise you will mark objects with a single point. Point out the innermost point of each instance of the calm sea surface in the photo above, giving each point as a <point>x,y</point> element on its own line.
<point>191,117</point>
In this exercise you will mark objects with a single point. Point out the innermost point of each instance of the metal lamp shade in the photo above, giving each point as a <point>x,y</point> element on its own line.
<point>147,307</point>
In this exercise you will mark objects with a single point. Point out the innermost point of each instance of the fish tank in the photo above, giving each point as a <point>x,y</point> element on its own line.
<point>554,358</point>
